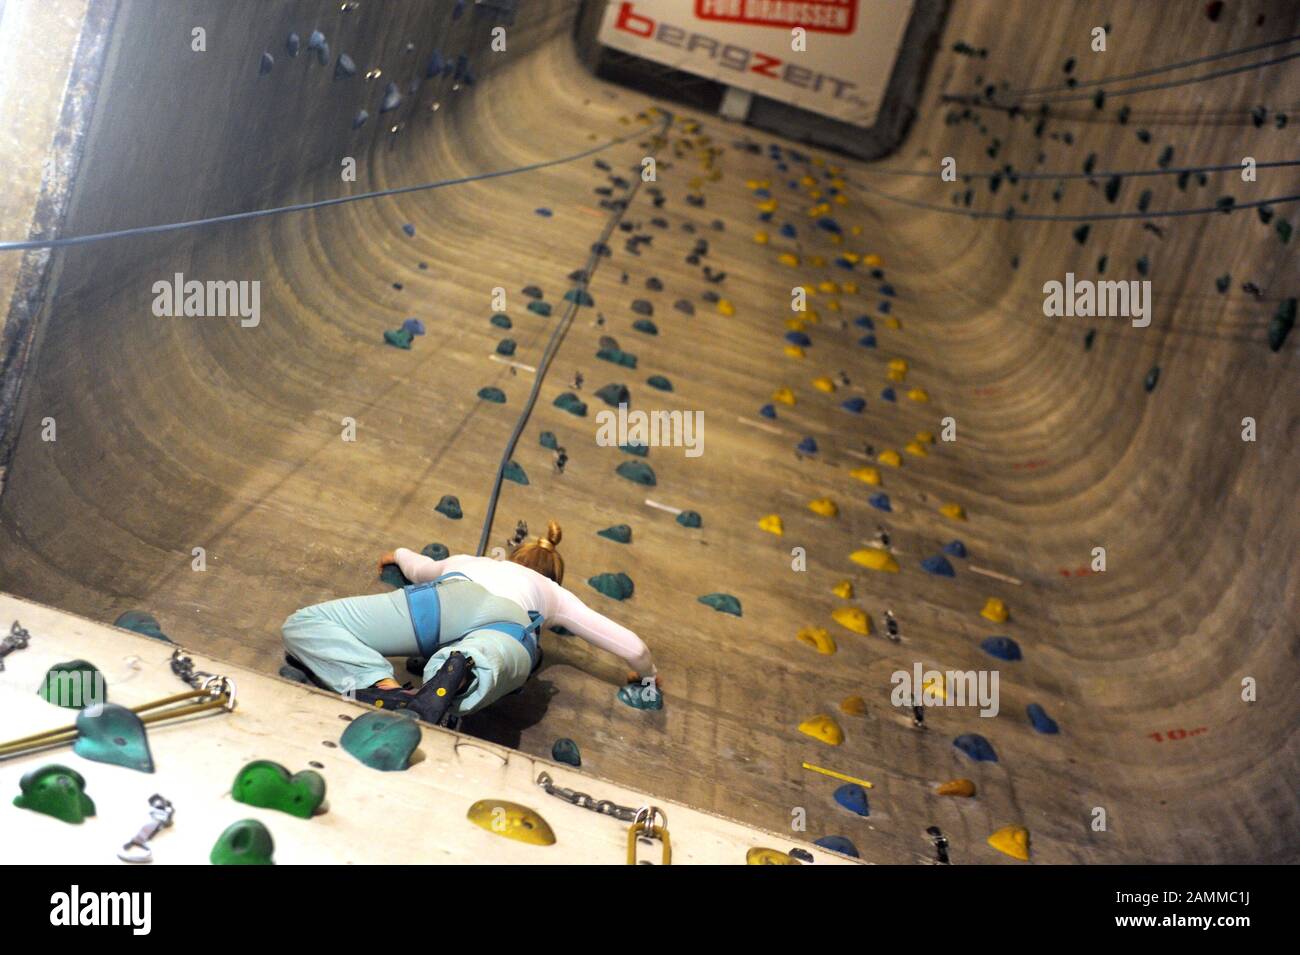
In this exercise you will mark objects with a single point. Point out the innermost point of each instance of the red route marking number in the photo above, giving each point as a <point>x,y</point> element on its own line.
<point>1178,734</point>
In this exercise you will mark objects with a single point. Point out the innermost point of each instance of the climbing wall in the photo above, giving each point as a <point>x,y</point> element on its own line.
<point>755,570</point>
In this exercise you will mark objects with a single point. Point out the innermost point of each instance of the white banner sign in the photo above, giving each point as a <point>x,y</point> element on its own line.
<point>832,57</point>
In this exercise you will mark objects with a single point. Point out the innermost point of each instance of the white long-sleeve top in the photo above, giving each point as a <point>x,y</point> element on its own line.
<point>533,591</point>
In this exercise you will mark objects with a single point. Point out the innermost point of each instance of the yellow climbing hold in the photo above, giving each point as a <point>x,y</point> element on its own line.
<point>925,437</point>
<point>761,856</point>
<point>817,261</point>
<point>794,351</point>
<point>812,316</point>
<point>956,787</point>
<point>783,395</point>
<point>853,705</point>
<point>866,475</point>
<point>897,366</point>
<point>919,394</point>
<point>788,258</point>
<point>761,237</point>
<point>807,181</point>
<point>916,449</point>
<point>873,558</point>
<point>1012,841</point>
<point>833,305</point>
<point>817,638</point>
<point>843,200</point>
<point>772,524</point>
<point>855,230</point>
<point>853,618</point>
<point>768,206</point>
<point>849,288</point>
<point>512,820</point>
<point>823,383</point>
<point>824,728</point>
<point>827,286</point>
<point>871,261</point>
<point>934,687</point>
<point>725,307</point>
<point>795,324</point>
<point>955,511</point>
<point>995,610</point>
<point>892,323</point>
<point>890,456</point>
<point>843,590</point>
<point>823,506</point>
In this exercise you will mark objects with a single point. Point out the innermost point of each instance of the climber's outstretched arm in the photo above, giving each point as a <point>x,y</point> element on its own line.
<point>601,632</point>
<point>417,567</point>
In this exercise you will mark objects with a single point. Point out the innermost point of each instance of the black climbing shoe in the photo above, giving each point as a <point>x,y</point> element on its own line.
<point>385,699</point>
<point>431,702</point>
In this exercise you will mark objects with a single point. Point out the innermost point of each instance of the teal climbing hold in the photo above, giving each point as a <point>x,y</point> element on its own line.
<point>540,308</point>
<point>449,506</point>
<point>689,519</point>
<point>115,735</point>
<point>268,785</point>
<point>572,404</point>
<point>646,326</point>
<point>547,440</point>
<point>566,750</point>
<point>513,472</point>
<point>73,685</point>
<point>392,575</point>
<point>614,395</point>
<point>399,338</point>
<point>640,450</point>
<point>435,551</point>
<point>501,320</point>
<point>1280,325</point>
<point>617,356</point>
<point>492,394</point>
<point>659,382</point>
<point>506,346</point>
<point>614,586</point>
<point>562,631</point>
<point>638,472</point>
<point>143,623</point>
<point>57,791</point>
<point>579,296</point>
<point>619,532</point>
<point>383,741</point>
<point>723,603</point>
<point>641,696</point>
<point>246,842</point>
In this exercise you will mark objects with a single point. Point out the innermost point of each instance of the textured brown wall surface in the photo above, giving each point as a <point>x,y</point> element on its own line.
<point>182,433</point>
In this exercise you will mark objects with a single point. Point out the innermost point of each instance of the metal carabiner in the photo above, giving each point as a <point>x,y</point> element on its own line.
<point>646,828</point>
<point>138,850</point>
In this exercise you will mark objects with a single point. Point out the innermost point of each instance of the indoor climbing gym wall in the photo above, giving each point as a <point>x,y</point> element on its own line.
<point>932,427</point>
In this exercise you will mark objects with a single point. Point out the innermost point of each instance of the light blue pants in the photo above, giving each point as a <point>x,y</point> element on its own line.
<point>345,642</point>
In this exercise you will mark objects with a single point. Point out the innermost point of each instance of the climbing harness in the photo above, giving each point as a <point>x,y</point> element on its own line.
<point>18,639</point>
<point>139,850</point>
<point>646,830</point>
<point>211,692</point>
<point>426,616</point>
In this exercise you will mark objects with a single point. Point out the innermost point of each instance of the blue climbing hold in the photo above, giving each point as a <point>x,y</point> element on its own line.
<point>267,64</point>
<point>854,405</point>
<point>841,844</point>
<point>544,212</point>
<point>344,67</point>
<point>853,798</point>
<point>864,321</point>
<point>883,308</point>
<point>808,445</point>
<point>359,120</point>
<point>392,98</point>
<point>409,230</point>
<point>798,338</point>
<point>880,502</point>
<point>867,341</point>
<point>976,747</point>
<point>414,326</point>
<point>767,411</point>
<point>888,394</point>
<point>436,64</point>
<point>955,548</point>
<point>1004,648</point>
<point>939,566</point>
<point>1040,720</point>
<point>888,290</point>
<point>827,224</point>
<point>292,44</point>
<point>788,231</point>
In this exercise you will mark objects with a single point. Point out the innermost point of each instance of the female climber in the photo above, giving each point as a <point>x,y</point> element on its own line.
<point>476,619</point>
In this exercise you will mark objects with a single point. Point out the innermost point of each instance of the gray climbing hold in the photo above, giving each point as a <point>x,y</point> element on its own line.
<point>723,603</point>
<point>689,519</point>
<point>571,403</point>
<point>637,472</point>
<point>450,507</point>
<point>392,98</point>
<point>685,307</point>
<point>492,394</point>
<point>292,44</point>
<point>642,307</point>
<point>620,533</point>
<point>344,67</point>
<point>614,395</point>
<point>267,64</point>
<point>513,472</point>
<point>614,586</point>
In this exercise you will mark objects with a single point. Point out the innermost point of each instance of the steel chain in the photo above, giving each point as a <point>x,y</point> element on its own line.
<point>605,807</point>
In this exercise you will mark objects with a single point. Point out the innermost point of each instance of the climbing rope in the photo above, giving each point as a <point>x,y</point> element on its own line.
<point>557,338</point>
<point>306,206</point>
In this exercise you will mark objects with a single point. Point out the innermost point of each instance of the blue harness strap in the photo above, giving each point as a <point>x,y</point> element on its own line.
<point>426,617</point>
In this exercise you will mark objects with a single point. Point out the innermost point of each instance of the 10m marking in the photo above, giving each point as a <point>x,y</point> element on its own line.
<point>1178,734</point>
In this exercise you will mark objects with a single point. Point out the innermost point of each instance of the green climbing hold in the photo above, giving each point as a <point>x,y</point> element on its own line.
<point>501,321</point>
<point>614,395</point>
<point>646,326</point>
<point>142,623</point>
<point>566,750</point>
<point>547,440</point>
<point>619,532</point>
<point>659,382</point>
<point>572,404</point>
<point>383,741</point>
<point>641,696</point>
<point>269,785</point>
<point>618,357</point>
<point>247,842</point>
<point>614,586</point>
<point>638,472</point>
<point>506,346</point>
<point>640,450</point>
<point>689,519</point>
<point>540,308</point>
<point>723,603</point>
<point>490,393</point>
<point>513,472</point>
<point>113,734</point>
<point>392,575</point>
<point>73,685</point>
<point>450,506</point>
<point>401,338</point>
<point>56,791</point>
<point>436,551</point>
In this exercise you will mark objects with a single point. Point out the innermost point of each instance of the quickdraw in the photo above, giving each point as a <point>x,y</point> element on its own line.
<point>17,639</point>
<point>646,831</point>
